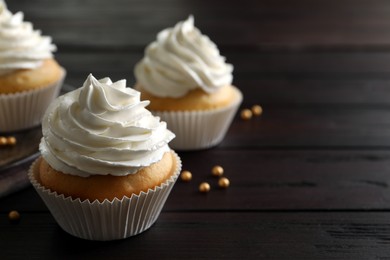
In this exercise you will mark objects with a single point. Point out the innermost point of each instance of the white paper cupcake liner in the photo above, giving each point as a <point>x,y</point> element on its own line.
<point>196,130</point>
<point>25,110</point>
<point>107,220</point>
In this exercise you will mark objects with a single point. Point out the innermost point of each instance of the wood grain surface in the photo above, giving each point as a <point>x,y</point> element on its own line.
<point>310,178</point>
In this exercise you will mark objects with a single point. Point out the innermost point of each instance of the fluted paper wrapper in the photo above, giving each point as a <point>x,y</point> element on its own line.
<point>107,220</point>
<point>25,109</point>
<point>197,130</point>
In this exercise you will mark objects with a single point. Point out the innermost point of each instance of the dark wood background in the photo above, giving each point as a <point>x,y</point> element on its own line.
<point>309,179</point>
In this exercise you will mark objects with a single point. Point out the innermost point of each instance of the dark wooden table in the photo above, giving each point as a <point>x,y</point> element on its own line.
<point>309,178</point>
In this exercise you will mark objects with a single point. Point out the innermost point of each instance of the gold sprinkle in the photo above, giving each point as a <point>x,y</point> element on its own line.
<point>13,216</point>
<point>217,171</point>
<point>204,187</point>
<point>246,114</point>
<point>11,140</point>
<point>223,182</point>
<point>186,176</point>
<point>3,140</point>
<point>257,110</point>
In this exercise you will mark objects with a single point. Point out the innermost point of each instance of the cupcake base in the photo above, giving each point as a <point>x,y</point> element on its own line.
<point>200,129</point>
<point>107,220</point>
<point>23,110</point>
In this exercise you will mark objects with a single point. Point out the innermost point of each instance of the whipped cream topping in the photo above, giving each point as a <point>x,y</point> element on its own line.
<point>21,47</point>
<point>102,128</point>
<point>180,60</point>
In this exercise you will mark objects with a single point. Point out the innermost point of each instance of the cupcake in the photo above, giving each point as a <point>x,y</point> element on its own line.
<point>189,85</point>
<point>105,169</point>
<point>30,78</point>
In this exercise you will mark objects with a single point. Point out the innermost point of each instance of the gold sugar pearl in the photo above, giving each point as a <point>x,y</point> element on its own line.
<point>223,182</point>
<point>217,171</point>
<point>246,114</point>
<point>3,140</point>
<point>204,187</point>
<point>257,110</point>
<point>11,140</point>
<point>186,176</point>
<point>13,216</point>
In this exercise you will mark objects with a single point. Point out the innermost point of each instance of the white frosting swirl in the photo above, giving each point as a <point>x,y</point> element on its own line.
<point>20,46</point>
<point>102,128</point>
<point>180,60</point>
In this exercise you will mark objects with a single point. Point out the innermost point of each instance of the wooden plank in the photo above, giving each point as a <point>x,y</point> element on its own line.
<point>323,65</point>
<point>264,180</point>
<point>312,127</point>
<point>249,66</point>
<point>278,82</point>
<point>241,235</point>
<point>311,93</point>
<point>270,180</point>
<point>259,24</point>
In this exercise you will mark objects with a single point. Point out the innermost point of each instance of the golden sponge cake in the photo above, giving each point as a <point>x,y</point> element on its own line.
<point>105,187</point>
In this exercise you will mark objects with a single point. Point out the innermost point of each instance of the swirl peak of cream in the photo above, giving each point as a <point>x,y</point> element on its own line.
<point>21,47</point>
<point>180,60</point>
<point>102,128</point>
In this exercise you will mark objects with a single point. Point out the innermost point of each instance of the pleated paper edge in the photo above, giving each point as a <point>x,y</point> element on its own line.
<point>196,130</point>
<point>92,220</point>
<point>24,110</point>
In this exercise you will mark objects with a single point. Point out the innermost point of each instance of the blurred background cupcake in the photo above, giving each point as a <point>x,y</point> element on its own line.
<point>30,78</point>
<point>189,85</point>
<point>106,168</point>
